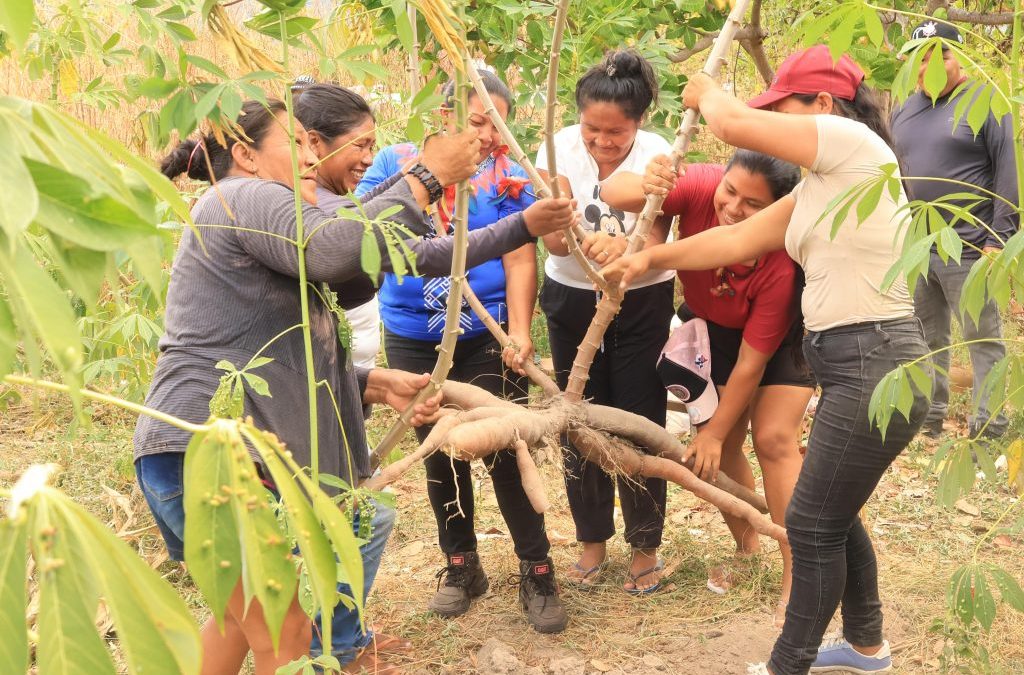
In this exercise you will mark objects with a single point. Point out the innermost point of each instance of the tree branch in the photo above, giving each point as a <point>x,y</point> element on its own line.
<point>705,42</point>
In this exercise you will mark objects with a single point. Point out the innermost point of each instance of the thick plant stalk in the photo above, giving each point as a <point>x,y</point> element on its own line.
<point>611,300</point>
<point>413,64</point>
<point>573,237</point>
<point>453,314</point>
<point>536,375</point>
<point>552,96</point>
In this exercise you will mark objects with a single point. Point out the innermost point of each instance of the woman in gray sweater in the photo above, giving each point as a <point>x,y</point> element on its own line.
<point>235,293</point>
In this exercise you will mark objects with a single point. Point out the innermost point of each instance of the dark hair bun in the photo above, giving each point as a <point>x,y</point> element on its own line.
<point>188,158</point>
<point>624,78</point>
<point>625,63</point>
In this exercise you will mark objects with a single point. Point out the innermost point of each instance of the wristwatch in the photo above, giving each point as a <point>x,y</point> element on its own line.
<point>421,173</point>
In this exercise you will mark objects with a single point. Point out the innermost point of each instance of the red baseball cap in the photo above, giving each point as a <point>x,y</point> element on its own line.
<point>811,71</point>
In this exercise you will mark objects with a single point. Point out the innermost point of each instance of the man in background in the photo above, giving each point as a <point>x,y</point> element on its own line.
<point>928,144</point>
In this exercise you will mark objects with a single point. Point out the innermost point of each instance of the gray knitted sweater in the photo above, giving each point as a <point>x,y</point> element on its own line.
<point>233,292</point>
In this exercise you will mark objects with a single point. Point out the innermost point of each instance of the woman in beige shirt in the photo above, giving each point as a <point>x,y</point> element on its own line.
<point>858,329</point>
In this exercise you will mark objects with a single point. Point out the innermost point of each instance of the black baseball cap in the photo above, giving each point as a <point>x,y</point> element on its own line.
<point>936,28</point>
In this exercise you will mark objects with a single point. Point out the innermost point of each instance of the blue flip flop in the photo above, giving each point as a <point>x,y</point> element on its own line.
<point>650,589</point>
<point>590,576</point>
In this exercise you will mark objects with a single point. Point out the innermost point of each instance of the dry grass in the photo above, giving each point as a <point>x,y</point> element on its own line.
<point>685,626</point>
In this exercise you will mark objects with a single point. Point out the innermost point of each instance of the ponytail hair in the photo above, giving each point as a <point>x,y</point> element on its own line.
<point>866,107</point>
<point>196,157</point>
<point>624,78</point>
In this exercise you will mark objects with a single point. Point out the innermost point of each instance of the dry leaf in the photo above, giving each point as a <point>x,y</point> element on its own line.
<point>964,506</point>
<point>1003,541</point>
<point>600,666</point>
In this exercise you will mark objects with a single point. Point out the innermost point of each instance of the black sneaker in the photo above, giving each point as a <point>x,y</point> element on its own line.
<point>464,579</point>
<point>932,430</point>
<point>538,594</point>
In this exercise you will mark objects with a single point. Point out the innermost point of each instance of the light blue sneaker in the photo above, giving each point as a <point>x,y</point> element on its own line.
<point>837,656</point>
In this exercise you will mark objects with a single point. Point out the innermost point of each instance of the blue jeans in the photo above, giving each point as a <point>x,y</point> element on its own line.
<point>833,560</point>
<point>161,479</point>
<point>347,638</point>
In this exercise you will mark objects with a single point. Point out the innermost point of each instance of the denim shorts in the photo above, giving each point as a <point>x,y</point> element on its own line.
<point>161,479</point>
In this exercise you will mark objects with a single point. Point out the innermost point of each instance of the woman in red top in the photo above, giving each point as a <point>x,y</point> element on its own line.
<point>752,312</point>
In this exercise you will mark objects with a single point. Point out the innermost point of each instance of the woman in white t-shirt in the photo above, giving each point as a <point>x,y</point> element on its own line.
<point>858,327</point>
<point>612,98</point>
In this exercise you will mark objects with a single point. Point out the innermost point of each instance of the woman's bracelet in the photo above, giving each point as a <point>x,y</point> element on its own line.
<point>421,173</point>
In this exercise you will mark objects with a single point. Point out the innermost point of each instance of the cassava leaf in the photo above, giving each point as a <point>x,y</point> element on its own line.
<point>211,535</point>
<point>13,596</point>
<point>155,628</point>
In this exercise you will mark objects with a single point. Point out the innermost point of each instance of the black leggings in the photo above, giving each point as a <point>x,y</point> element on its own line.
<point>449,481</point>
<point>624,376</point>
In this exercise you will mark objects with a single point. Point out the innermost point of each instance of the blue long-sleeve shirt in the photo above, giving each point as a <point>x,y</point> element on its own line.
<point>415,308</point>
<point>928,145</point>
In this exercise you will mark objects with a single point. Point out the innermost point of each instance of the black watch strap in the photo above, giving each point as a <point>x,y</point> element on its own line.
<point>434,189</point>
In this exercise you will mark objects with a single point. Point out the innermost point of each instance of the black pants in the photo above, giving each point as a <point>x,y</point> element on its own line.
<point>623,375</point>
<point>833,560</point>
<point>449,481</point>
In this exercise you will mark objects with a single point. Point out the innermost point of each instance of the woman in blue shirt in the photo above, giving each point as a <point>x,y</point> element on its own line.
<point>413,312</point>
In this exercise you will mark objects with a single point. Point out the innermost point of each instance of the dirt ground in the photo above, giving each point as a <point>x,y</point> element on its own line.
<point>684,628</point>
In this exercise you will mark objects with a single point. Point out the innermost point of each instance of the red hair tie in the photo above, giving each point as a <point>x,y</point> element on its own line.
<point>188,166</point>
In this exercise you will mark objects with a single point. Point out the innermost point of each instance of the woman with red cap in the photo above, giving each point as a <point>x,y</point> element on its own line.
<point>858,327</point>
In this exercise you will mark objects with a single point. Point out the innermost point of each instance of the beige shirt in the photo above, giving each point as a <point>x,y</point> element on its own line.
<point>844,275</point>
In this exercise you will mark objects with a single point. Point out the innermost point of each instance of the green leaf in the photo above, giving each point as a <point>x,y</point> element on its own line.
<point>15,214</point>
<point>257,384</point>
<point>950,245</point>
<point>157,88</point>
<point>42,303</point>
<point>8,340</point>
<point>13,597</point>
<point>873,27</point>
<point>179,31</point>
<point>82,269</point>
<point>959,595</point>
<point>16,17</point>
<point>1009,589</point>
<point>156,631</point>
<point>975,290</point>
<point>977,114</point>
<point>211,535</point>
<point>312,541</point>
<point>208,66</point>
<point>935,72</point>
<point>956,477</point>
<point>402,24</point>
<point>153,179</point>
<point>68,599</point>
<point>869,201</point>
<point>69,206</point>
<point>370,255</point>
<point>984,603</point>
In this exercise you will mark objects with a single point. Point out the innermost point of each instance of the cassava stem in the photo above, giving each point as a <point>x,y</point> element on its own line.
<point>552,96</point>
<point>413,64</point>
<point>611,300</point>
<point>453,308</point>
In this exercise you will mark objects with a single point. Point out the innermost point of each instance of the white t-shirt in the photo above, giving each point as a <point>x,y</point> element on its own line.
<point>844,275</point>
<point>580,169</point>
